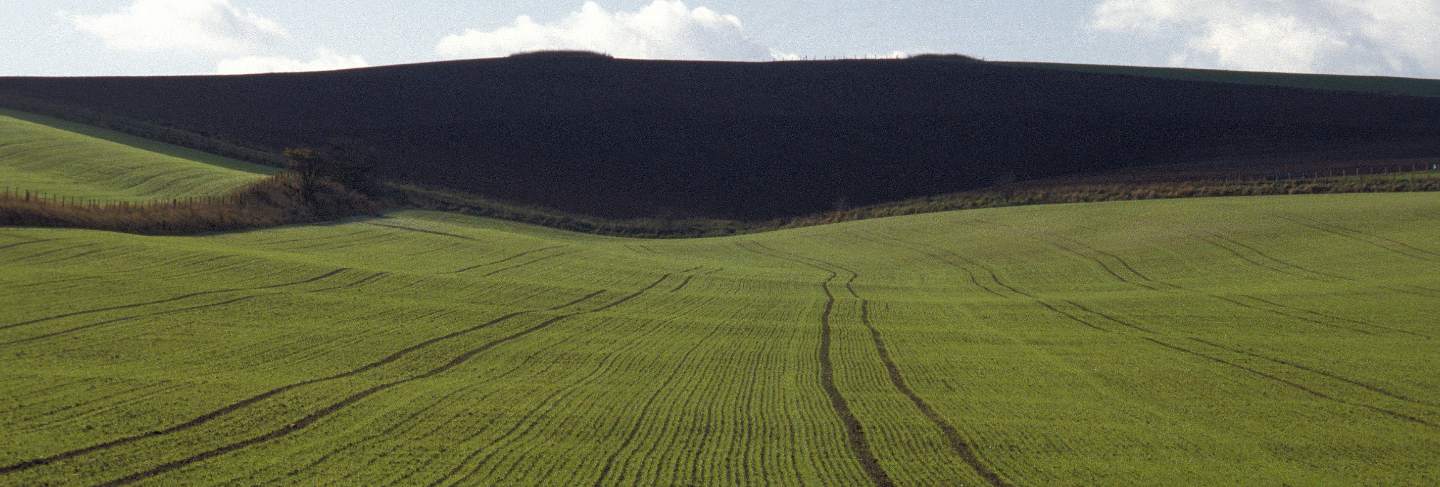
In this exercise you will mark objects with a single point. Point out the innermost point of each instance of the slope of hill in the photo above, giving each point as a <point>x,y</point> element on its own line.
<point>1360,84</point>
<point>60,159</point>
<point>1290,341</point>
<point>620,138</point>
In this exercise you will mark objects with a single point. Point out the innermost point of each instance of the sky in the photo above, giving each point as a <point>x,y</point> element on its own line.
<point>172,37</point>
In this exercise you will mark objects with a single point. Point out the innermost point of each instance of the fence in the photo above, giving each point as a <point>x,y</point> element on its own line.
<point>43,199</point>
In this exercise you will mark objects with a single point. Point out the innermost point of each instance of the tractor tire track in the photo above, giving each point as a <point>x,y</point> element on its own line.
<point>952,436</point>
<point>1395,247</point>
<point>350,400</point>
<point>1395,414</point>
<point>173,299</point>
<point>527,263</point>
<point>1370,387</point>
<point>504,260</point>
<point>1280,262</point>
<point>421,230</point>
<point>1295,385</point>
<point>921,249</point>
<point>236,406</point>
<point>1335,318</point>
<point>854,431</point>
<point>1216,242</point>
<point>645,410</point>
<point>124,319</point>
<point>27,242</point>
<point>689,277</point>
<point>363,281</point>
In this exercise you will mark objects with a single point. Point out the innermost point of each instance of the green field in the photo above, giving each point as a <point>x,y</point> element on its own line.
<point>1231,341</point>
<point>1363,84</point>
<point>60,159</point>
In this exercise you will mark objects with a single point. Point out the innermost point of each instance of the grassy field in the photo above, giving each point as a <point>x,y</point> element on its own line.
<point>67,160</point>
<point>1363,84</point>
<point>1262,340</point>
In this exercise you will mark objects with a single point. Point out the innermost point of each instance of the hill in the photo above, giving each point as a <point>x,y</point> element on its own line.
<point>1271,340</point>
<point>1325,82</point>
<point>61,159</point>
<point>622,138</point>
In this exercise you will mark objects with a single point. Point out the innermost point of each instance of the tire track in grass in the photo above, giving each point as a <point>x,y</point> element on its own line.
<point>81,328</point>
<point>1294,385</point>
<point>504,260</point>
<point>941,255</point>
<point>236,406</point>
<point>527,263</point>
<point>1335,318</point>
<point>1278,261</point>
<point>410,472</point>
<point>421,230</point>
<point>1153,338</point>
<point>27,242</point>
<point>689,277</point>
<point>533,418</point>
<point>172,299</point>
<point>525,422</point>
<point>1395,246</point>
<point>1216,242</point>
<point>1269,306</point>
<point>49,252</point>
<point>363,281</point>
<point>350,400</point>
<point>854,431</point>
<point>920,248</point>
<point>645,410</point>
<point>956,441</point>
<point>1371,387</point>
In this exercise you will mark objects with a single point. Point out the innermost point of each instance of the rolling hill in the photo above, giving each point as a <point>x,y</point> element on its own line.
<point>1274,340</point>
<point>620,138</point>
<point>61,159</point>
<point>1325,82</point>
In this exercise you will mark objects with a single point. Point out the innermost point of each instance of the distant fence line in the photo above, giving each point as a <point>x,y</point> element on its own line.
<point>8,194</point>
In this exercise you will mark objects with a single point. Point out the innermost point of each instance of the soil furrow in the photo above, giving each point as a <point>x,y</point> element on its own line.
<point>1412,252</point>
<point>333,408</point>
<point>1279,261</point>
<point>854,431</point>
<point>127,318</point>
<point>957,443</point>
<point>1294,385</point>
<point>526,263</point>
<point>236,406</point>
<point>421,230</point>
<point>645,410</point>
<point>173,299</point>
<point>1370,387</point>
<point>27,242</point>
<point>506,259</point>
<point>1333,317</point>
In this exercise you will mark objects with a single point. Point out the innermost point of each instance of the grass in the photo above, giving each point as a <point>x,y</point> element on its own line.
<point>68,160</point>
<point>1256,340</point>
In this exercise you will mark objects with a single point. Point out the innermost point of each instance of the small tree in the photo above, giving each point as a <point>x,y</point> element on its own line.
<point>313,167</point>
<point>309,167</point>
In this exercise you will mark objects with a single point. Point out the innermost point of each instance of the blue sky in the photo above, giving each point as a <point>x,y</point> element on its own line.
<point>146,37</point>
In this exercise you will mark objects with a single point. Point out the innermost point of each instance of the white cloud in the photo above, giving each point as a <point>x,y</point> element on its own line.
<point>666,29</point>
<point>1397,37</point>
<point>201,26</point>
<point>325,60</point>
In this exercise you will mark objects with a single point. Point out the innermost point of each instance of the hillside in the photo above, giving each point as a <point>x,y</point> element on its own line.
<point>620,138</point>
<point>1273,340</point>
<point>60,159</point>
<point>1360,84</point>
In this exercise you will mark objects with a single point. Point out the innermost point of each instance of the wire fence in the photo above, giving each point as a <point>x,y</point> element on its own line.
<point>40,198</point>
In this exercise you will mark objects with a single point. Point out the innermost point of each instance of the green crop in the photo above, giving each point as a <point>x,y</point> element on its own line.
<point>1263,340</point>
